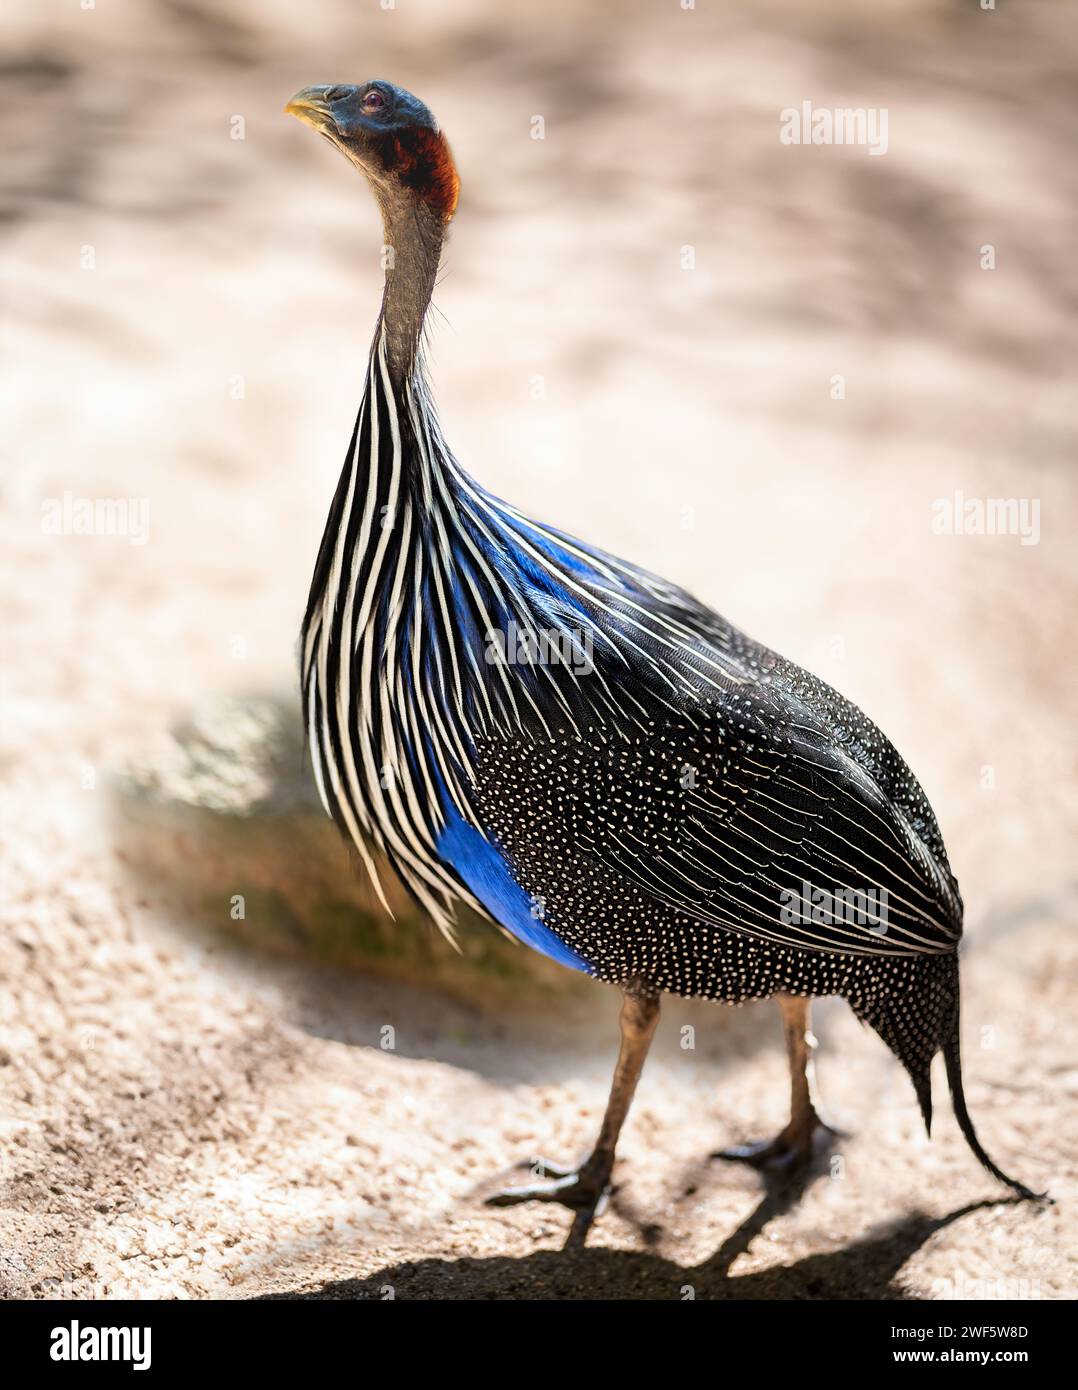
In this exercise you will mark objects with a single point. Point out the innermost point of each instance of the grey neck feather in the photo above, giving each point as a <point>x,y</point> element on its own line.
<point>413,234</point>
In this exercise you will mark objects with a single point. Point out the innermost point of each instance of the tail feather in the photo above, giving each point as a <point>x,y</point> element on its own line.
<point>917,1022</point>
<point>952,1056</point>
<point>922,1085</point>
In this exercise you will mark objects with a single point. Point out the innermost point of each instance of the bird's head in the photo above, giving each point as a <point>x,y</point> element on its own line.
<point>390,136</point>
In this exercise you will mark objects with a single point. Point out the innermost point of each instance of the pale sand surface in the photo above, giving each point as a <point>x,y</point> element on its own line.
<point>182,1120</point>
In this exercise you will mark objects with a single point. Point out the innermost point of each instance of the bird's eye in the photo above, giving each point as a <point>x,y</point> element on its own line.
<point>373,101</point>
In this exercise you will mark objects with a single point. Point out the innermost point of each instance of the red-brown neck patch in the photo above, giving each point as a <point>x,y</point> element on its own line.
<point>424,164</point>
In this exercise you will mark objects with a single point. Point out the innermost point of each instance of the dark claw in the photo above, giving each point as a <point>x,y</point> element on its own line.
<point>541,1168</point>
<point>570,1190</point>
<point>788,1152</point>
<point>584,1193</point>
<point>766,1153</point>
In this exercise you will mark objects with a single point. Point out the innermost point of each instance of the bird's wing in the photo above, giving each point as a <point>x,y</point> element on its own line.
<point>710,774</point>
<point>752,818</point>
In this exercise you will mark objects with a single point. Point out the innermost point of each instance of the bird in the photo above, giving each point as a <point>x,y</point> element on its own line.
<point>516,721</point>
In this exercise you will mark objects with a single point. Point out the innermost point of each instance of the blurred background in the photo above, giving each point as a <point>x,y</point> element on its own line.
<point>753,367</point>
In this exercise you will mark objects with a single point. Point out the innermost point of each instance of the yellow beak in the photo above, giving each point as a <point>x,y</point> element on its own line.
<point>309,108</point>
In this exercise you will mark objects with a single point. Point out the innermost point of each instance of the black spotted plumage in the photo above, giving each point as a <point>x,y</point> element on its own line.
<point>659,854</point>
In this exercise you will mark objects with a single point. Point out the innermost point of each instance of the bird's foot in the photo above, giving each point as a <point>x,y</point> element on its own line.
<point>584,1190</point>
<point>790,1151</point>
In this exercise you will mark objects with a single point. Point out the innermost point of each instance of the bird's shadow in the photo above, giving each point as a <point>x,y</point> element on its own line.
<point>866,1269</point>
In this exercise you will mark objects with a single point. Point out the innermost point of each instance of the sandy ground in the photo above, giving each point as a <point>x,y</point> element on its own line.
<point>187,318</point>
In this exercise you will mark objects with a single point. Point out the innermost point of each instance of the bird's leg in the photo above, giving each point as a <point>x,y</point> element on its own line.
<point>583,1189</point>
<point>792,1146</point>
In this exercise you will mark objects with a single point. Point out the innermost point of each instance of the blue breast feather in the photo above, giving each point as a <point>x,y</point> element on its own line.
<point>487,875</point>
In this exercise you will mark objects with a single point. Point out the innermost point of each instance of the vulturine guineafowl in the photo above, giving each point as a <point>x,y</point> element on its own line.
<point>518,721</point>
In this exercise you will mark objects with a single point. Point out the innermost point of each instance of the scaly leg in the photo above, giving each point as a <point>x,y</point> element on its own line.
<point>792,1146</point>
<point>583,1189</point>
